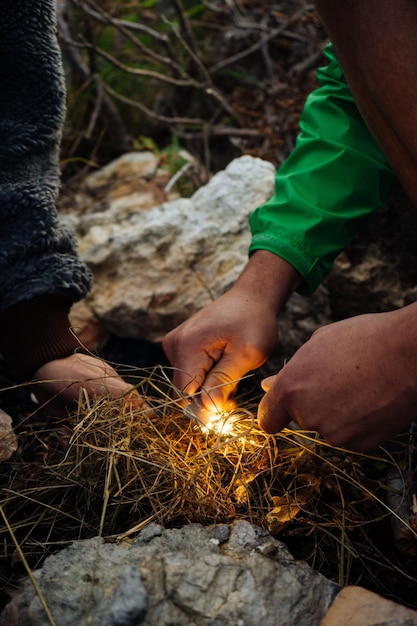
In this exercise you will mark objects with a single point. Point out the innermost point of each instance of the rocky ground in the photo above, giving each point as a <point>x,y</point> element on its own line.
<point>266,111</point>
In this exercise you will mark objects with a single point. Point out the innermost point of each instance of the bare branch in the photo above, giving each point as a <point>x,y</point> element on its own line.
<point>227,131</point>
<point>127,28</point>
<point>163,78</point>
<point>161,118</point>
<point>188,34</point>
<point>101,16</point>
<point>282,28</point>
<point>210,88</point>
<point>116,125</point>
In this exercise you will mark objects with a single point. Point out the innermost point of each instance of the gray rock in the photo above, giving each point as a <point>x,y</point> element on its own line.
<point>191,576</point>
<point>155,267</point>
<point>128,605</point>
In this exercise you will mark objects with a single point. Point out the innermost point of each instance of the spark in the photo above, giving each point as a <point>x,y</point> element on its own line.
<point>220,421</point>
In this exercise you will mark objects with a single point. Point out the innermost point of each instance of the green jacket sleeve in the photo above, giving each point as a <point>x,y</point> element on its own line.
<point>335,176</point>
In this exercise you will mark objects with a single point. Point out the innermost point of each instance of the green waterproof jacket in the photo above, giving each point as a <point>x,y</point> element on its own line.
<point>335,176</point>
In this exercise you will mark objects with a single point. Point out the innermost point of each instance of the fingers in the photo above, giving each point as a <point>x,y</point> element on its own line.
<point>267,383</point>
<point>203,361</point>
<point>189,377</point>
<point>63,379</point>
<point>214,381</point>
<point>272,411</point>
<point>188,373</point>
<point>214,348</point>
<point>221,383</point>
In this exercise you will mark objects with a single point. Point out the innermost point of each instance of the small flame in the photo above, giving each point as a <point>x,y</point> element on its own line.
<point>219,421</point>
<point>207,418</point>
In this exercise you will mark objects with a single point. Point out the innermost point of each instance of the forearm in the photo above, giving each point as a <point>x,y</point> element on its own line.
<point>267,279</point>
<point>333,179</point>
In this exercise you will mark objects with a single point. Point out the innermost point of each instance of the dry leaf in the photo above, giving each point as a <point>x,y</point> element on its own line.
<point>8,440</point>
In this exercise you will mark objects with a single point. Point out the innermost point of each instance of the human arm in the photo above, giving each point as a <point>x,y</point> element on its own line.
<point>334,178</point>
<point>41,274</point>
<point>233,334</point>
<point>38,344</point>
<point>354,381</point>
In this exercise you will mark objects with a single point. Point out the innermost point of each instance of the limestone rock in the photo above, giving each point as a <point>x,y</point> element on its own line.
<point>220,575</point>
<point>156,259</point>
<point>135,181</point>
<point>154,268</point>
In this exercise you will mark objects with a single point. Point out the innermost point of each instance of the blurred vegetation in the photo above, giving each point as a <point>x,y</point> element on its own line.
<point>219,78</point>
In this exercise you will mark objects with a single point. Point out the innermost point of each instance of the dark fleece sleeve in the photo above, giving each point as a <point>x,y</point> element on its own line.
<point>37,255</point>
<point>41,274</point>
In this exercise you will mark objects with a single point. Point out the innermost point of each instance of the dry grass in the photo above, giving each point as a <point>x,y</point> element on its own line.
<point>112,468</point>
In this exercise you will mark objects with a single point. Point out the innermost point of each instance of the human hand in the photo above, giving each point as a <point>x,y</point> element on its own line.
<point>355,381</point>
<point>61,380</point>
<point>236,333</point>
<point>218,345</point>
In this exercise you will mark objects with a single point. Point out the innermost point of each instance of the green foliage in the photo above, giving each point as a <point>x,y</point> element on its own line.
<point>174,155</point>
<point>175,161</point>
<point>144,143</point>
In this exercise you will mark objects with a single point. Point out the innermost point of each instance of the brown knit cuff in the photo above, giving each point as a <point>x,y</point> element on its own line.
<point>35,332</point>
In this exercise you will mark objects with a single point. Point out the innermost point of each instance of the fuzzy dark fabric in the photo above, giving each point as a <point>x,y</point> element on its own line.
<point>37,255</point>
<point>41,274</point>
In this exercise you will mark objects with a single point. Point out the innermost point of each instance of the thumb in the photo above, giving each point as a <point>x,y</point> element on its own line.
<point>272,412</point>
<point>267,383</point>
